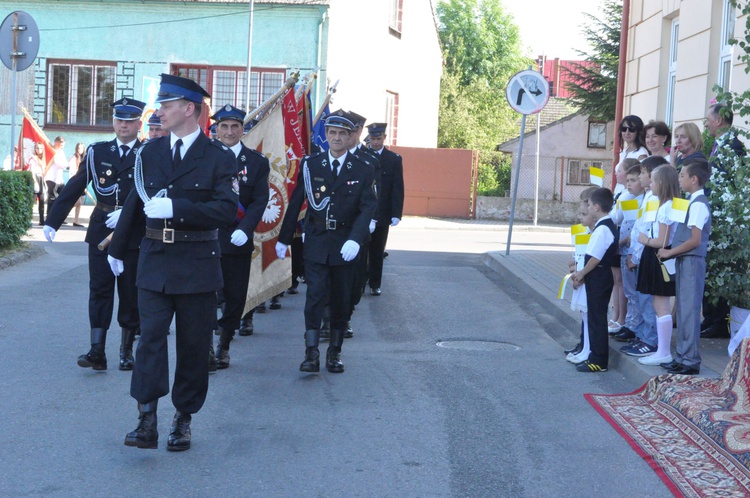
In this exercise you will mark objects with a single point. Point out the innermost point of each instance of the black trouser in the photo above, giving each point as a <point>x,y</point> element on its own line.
<point>714,314</point>
<point>53,189</point>
<point>360,274</point>
<point>102,290</point>
<point>599,283</point>
<point>377,248</point>
<point>324,281</point>
<point>298,263</point>
<point>39,196</point>
<point>235,268</point>
<point>195,314</point>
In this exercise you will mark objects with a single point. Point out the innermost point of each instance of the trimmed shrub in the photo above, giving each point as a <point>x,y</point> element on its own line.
<point>494,173</point>
<point>16,204</point>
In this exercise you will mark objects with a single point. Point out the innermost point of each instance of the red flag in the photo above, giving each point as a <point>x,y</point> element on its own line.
<point>292,138</point>
<point>303,110</point>
<point>30,135</point>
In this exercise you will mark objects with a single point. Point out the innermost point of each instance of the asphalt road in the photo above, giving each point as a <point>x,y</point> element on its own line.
<point>407,418</point>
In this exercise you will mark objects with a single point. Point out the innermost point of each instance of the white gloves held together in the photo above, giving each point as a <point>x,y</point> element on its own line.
<point>159,208</point>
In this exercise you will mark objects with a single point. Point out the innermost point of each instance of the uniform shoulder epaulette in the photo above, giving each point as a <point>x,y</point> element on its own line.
<point>151,141</point>
<point>103,142</point>
<point>255,151</point>
<point>314,154</point>
<point>217,143</point>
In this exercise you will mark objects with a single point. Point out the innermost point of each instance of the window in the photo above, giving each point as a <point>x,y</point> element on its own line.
<point>79,93</point>
<point>578,170</point>
<point>395,10</point>
<point>228,85</point>
<point>597,135</point>
<point>725,53</point>
<point>672,74</point>
<point>391,116</point>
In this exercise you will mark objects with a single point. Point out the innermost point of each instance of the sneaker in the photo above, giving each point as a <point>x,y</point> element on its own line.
<point>589,367</point>
<point>653,360</point>
<point>578,358</point>
<point>575,350</point>
<point>624,335</point>
<point>614,327</point>
<point>640,349</point>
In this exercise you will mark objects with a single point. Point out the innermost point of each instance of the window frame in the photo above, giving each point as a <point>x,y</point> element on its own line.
<point>50,88</point>
<point>395,17</point>
<point>672,71</point>
<point>592,125</point>
<point>583,165</point>
<point>391,116</point>
<point>728,17</point>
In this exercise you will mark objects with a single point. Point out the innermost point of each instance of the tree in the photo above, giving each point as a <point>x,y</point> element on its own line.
<point>594,86</point>
<point>481,50</point>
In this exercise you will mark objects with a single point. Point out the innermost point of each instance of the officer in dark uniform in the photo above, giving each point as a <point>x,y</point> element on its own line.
<point>183,196</point>
<point>108,166</point>
<point>251,183</point>
<point>390,202</point>
<point>340,190</point>
<point>154,127</point>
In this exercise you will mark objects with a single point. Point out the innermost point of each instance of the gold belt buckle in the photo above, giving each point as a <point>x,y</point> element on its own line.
<point>168,236</point>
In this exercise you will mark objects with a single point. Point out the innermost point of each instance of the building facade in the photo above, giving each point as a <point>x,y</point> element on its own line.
<point>94,52</point>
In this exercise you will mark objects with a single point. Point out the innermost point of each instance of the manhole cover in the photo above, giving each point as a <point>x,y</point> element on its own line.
<point>477,345</point>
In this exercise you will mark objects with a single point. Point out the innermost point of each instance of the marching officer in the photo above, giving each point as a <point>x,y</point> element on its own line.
<point>108,167</point>
<point>236,239</point>
<point>340,191</point>
<point>183,196</point>
<point>390,202</point>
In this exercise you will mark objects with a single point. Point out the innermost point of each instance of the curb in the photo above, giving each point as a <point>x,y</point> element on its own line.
<point>627,366</point>
<point>21,256</point>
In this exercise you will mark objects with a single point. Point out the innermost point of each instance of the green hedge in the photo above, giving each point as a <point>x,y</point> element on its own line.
<point>16,205</point>
<point>494,173</point>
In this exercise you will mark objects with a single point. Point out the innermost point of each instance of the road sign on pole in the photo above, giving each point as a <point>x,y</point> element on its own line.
<point>527,92</point>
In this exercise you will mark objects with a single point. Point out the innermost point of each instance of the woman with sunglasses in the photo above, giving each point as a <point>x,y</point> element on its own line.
<point>631,132</point>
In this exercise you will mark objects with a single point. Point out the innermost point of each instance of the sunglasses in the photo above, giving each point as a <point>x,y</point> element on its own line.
<point>630,129</point>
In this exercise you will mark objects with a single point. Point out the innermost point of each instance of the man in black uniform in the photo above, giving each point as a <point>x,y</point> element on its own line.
<point>340,190</point>
<point>390,202</point>
<point>108,166</point>
<point>236,239</point>
<point>183,195</point>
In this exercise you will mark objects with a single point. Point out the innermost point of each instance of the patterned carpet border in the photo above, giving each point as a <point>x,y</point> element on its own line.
<point>694,432</point>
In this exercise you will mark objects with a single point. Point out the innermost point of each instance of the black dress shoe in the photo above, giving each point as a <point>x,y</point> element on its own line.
<point>293,289</point>
<point>333,360</point>
<point>261,308</point>
<point>179,435</point>
<point>348,333</point>
<point>94,359</point>
<point>684,370</point>
<point>212,366</point>
<point>625,336</point>
<point>672,364</point>
<point>145,436</point>
<point>246,325</point>
<point>312,360</point>
<point>375,291</point>
<point>222,358</point>
<point>275,304</point>
<point>716,331</point>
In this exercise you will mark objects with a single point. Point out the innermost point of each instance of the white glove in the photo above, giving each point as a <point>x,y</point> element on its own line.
<point>159,208</point>
<point>372,225</point>
<point>112,219</point>
<point>238,238</point>
<point>115,265</point>
<point>394,221</point>
<point>49,233</point>
<point>281,250</point>
<point>303,237</point>
<point>349,250</point>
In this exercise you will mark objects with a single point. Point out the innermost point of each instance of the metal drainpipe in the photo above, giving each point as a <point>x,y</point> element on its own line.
<point>620,84</point>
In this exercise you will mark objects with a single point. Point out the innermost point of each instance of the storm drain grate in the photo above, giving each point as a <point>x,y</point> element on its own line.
<point>477,345</point>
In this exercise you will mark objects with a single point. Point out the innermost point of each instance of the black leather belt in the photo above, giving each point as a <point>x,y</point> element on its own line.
<point>170,236</point>
<point>329,224</point>
<point>107,208</point>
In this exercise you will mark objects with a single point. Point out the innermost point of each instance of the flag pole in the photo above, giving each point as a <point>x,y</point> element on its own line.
<point>249,54</point>
<point>331,91</point>
<point>290,82</point>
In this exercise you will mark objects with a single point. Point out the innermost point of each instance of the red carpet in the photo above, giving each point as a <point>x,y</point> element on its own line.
<point>694,433</point>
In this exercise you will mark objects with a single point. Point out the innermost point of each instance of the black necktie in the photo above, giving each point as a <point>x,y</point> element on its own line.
<point>336,164</point>
<point>125,150</point>
<point>177,158</point>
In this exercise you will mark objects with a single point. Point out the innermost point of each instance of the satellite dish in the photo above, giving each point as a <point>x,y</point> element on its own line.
<point>19,40</point>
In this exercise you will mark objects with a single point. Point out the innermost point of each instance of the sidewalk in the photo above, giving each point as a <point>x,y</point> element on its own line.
<point>537,274</point>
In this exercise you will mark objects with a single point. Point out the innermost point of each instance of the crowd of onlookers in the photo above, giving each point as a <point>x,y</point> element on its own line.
<point>646,248</point>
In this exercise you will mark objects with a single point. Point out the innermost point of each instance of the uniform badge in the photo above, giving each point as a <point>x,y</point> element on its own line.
<point>235,186</point>
<point>243,158</point>
<point>228,108</point>
<point>113,148</point>
<point>108,172</point>
<point>244,178</point>
<point>102,180</point>
<point>124,101</point>
<point>323,188</point>
<point>317,195</point>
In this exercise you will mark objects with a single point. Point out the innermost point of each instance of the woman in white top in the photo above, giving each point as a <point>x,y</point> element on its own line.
<point>631,132</point>
<point>73,163</point>
<point>657,138</point>
<point>36,166</point>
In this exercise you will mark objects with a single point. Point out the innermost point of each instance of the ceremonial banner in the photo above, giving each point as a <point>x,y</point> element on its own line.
<point>679,210</point>
<point>319,131</point>
<point>294,149</point>
<point>629,209</point>
<point>30,135</point>
<point>268,274</point>
<point>596,176</point>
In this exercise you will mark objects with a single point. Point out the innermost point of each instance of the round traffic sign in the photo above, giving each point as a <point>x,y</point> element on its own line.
<point>19,40</point>
<point>527,92</point>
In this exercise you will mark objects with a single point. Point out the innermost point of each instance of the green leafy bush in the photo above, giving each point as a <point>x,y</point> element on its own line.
<point>16,204</point>
<point>494,173</point>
